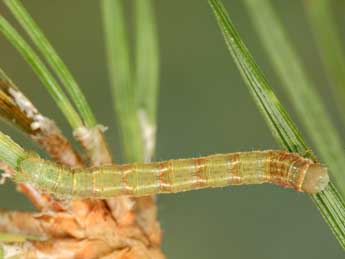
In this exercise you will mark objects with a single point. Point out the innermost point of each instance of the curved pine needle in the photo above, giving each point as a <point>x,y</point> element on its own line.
<point>307,102</point>
<point>43,73</point>
<point>147,74</point>
<point>17,109</point>
<point>55,62</point>
<point>147,58</point>
<point>324,28</point>
<point>122,83</point>
<point>329,202</point>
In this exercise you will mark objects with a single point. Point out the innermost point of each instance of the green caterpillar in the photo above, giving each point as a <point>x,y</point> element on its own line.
<point>139,179</point>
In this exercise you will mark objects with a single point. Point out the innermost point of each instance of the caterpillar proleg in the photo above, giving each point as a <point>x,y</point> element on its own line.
<point>139,179</point>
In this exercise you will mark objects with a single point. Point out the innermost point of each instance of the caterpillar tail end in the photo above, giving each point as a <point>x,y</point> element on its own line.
<point>316,179</point>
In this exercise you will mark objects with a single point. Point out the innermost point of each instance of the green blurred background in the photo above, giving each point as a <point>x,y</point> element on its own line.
<point>204,108</point>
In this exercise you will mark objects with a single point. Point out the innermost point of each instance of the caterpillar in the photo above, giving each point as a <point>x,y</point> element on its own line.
<point>139,179</point>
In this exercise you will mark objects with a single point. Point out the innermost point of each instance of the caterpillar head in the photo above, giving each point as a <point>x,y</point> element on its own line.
<point>316,179</point>
<point>26,167</point>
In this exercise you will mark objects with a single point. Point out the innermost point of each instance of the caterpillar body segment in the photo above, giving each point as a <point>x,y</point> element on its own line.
<point>139,179</point>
